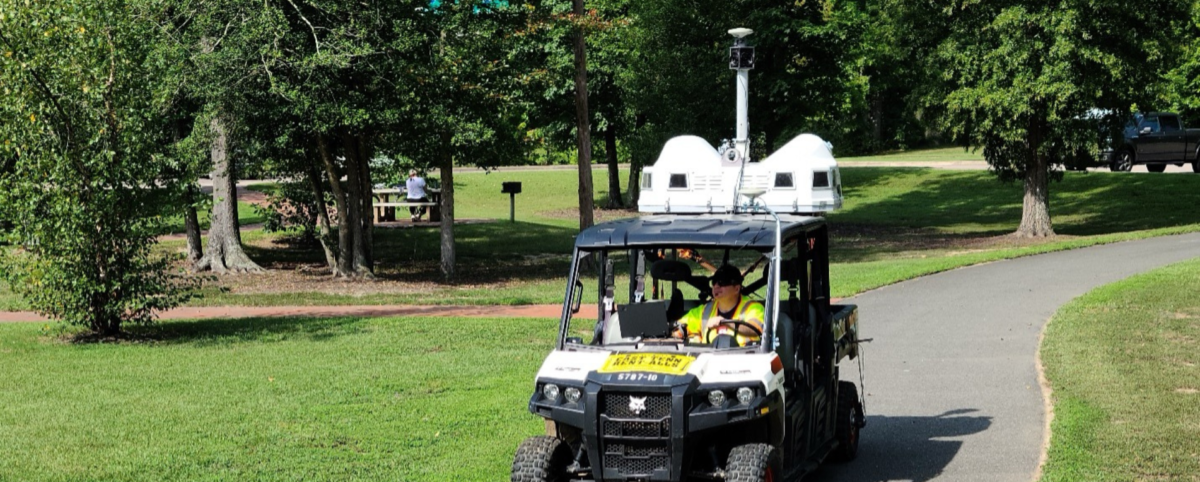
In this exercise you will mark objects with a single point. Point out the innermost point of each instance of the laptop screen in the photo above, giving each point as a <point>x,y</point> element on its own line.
<point>647,320</point>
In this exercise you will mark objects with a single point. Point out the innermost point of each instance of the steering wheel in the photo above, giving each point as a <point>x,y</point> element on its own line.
<point>736,324</point>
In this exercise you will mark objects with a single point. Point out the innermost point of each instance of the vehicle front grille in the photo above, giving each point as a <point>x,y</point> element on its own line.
<point>637,458</point>
<point>635,432</point>
<point>621,405</point>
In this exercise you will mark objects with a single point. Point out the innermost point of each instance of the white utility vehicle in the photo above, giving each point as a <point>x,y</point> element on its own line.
<point>627,397</point>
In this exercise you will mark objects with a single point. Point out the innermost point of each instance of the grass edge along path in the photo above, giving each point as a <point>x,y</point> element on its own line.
<point>1124,371</point>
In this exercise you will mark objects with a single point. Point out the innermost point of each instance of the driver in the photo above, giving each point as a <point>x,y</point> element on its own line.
<point>704,322</point>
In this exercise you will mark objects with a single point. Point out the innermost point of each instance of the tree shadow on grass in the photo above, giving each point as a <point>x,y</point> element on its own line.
<point>226,331</point>
<point>975,202</point>
<point>906,448</point>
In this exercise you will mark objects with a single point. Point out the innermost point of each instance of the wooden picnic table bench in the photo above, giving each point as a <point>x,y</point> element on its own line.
<point>385,207</point>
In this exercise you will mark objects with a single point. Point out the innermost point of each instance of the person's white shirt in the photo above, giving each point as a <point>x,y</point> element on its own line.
<point>416,187</point>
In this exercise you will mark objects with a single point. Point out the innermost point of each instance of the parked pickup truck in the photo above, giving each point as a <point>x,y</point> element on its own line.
<point>1155,139</point>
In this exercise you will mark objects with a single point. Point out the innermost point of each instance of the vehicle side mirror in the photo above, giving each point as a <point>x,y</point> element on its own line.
<point>1145,130</point>
<point>577,302</point>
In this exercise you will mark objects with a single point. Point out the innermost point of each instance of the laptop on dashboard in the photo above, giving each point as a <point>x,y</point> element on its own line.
<point>647,320</point>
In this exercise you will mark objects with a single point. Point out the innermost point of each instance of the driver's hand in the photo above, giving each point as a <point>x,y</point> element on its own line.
<point>715,322</point>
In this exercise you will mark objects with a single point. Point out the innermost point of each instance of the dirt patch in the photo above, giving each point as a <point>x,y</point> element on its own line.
<point>1187,391</point>
<point>599,215</point>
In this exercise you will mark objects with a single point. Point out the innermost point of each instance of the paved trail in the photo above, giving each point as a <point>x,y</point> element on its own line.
<point>951,373</point>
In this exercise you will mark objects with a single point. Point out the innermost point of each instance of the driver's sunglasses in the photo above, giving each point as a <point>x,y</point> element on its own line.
<point>716,283</point>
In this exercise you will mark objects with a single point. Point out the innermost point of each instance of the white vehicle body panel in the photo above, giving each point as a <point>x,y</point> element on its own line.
<point>709,368</point>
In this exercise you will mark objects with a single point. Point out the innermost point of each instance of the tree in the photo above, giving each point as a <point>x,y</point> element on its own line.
<point>90,185</point>
<point>1015,77</point>
<point>583,124</point>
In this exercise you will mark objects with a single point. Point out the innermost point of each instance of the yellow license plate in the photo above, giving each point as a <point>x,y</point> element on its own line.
<point>647,362</point>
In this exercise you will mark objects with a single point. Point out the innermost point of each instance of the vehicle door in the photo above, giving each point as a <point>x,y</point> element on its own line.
<point>1172,142</point>
<point>1149,142</point>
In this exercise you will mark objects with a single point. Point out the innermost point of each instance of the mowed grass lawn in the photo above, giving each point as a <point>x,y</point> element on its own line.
<point>897,223</point>
<point>272,400</point>
<point>1124,364</point>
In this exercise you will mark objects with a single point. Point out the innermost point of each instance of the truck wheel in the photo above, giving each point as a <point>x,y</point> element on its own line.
<point>1196,163</point>
<point>541,459</point>
<point>1156,167</point>
<point>753,463</point>
<point>849,421</point>
<point>1123,162</point>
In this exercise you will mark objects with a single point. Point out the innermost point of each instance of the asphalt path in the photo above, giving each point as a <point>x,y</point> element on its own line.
<point>951,374</point>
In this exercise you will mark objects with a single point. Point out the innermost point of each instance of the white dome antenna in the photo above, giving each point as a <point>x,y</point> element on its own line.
<point>740,32</point>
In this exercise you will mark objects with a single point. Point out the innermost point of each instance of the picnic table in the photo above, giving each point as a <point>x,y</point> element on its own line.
<point>386,200</point>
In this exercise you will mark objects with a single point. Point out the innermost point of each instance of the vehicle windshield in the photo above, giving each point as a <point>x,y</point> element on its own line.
<point>655,298</point>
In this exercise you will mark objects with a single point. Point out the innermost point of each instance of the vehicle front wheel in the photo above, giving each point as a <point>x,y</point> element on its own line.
<point>849,421</point>
<point>541,459</point>
<point>1156,167</point>
<point>1196,163</point>
<point>1123,162</point>
<point>753,463</point>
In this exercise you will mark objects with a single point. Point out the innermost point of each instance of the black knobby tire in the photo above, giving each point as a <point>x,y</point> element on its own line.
<point>753,463</point>
<point>1156,167</point>
<point>1196,163</point>
<point>541,459</point>
<point>849,421</point>
<point>1123,162</point>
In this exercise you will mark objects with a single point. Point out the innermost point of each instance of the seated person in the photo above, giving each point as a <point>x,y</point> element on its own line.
<point>703,322</point>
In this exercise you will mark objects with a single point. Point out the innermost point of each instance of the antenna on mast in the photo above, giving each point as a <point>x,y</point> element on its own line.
<point>741,59</point>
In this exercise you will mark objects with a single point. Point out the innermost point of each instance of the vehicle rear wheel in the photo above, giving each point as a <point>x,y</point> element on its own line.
<point>1196,163</point>
<point>849,421</point>
<point>541,459</point>
<point>753,463</point>
<point>1156,167</point>
<point>1123,162</point>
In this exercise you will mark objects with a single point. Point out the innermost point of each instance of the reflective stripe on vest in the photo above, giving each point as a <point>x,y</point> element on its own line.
<point>710,307</point>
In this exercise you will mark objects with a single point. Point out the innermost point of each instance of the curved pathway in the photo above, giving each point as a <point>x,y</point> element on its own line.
<point>951,378</point>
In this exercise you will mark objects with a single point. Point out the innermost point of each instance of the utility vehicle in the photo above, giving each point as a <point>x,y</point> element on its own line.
<point>628,395</point>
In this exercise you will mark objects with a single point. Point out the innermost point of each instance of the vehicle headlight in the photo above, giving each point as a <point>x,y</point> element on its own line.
<point>572,394</point>
<point>744,395</point>
<point>716,398</point>
<point>550,391</point>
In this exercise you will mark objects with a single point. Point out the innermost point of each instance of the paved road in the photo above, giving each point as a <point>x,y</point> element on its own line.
<point>951,373</point>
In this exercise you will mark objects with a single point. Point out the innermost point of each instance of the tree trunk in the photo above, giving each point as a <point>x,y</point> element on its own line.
<point>634,186</point>
<point>447,206</point>
<point>1035,211</point>
<point>324,231</point>
<point>191,224</point>
<point>344,266</point>
<point>583,126</point>
<point>365,154</point>
<point>614,169</point>
<point>224,251</point>
<point>355,195</point>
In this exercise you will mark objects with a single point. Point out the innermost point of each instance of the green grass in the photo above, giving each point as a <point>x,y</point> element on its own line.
<point>921,155</point>
<point>403,399</point>
<point>917,221</point>
<point>1122,361</point>
<point>246,217</point>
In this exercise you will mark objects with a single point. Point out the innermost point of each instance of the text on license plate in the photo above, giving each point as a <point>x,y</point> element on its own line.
<point>647,362</point>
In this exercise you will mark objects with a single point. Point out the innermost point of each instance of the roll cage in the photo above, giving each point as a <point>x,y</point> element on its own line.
<point>788,258</point>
